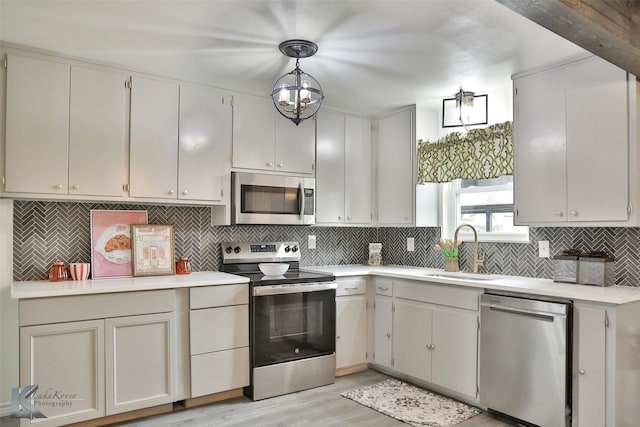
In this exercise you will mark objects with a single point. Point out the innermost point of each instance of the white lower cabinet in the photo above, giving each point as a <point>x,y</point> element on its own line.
<point>351,323</point>
<point>219,338</point>
<point>590,363</point>
<point>66,362</point>
<point>428,332</point>
<point>140,361</point>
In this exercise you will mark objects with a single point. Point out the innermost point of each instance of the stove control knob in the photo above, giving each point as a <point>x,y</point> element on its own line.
<point>229,249</point>
<point>236,249</point>
<point>287,249</point>
<point>294,249</point>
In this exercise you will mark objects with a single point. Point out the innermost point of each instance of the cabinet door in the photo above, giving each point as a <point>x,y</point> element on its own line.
<point>358,170</point>
<point>205,131</point>
<point>396,184</point>
<point>382,327</point>
<point>540,148</point>
<point>351,331</point>
<point>97,131</point>
<point>597,141</point>
<point>140,361</point>
<point>455,351</point>
<point>66,362</point>
<point>154,139</point>
<point>412,335</point>
<point>295,145</point>
<point>37,126</point>
<point>330,170</point>
<point>589,367</point>
<point>253,132</point>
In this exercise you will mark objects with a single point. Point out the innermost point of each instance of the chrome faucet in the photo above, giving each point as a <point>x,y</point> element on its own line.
<point>477,262</point>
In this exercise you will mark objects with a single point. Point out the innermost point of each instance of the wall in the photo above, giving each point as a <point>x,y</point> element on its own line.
<point>47,231</point>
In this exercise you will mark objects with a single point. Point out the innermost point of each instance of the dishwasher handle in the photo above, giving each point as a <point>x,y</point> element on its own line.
<point>522,312</point>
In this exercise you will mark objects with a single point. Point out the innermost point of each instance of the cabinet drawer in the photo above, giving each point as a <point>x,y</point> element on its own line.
<point>354,286</point>
<point>220,328</point>
<point>219,371</point>
<point>384,286</point>
<point>438,294</point>
<point>218,296</point>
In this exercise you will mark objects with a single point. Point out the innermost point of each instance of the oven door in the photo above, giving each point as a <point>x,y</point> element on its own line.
<point>273,199</point>
<point>293,322</point>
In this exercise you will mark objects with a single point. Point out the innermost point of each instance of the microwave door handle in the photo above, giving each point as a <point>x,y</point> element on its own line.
<point>301,201</point>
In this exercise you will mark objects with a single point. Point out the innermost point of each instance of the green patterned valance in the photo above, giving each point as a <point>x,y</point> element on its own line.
<point>479,154</point>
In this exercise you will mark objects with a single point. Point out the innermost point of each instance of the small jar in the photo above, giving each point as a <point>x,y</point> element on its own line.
<point>183,266</point>
<point>58,272</point>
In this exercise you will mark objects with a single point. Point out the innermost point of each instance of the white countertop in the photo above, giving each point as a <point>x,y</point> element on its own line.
<point>44,288</point>
<point>526,285</point>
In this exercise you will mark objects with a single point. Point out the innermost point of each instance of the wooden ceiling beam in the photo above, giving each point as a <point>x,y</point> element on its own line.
<point>609,29</point>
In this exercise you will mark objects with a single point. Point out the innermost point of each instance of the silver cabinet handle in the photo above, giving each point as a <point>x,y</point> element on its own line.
<point>270,164</point>
<point>558,213</point>
<point>338,337</point>
<point>388,334</point>
<point>76,187</point>
<point>348,217</point>
<point>185,192</point>
<point>339,217</point>
<point>582,372</point>
<point>280,165</point>
<point>58,186</point>
<point>383,288</point>
<point>170,191</point>
<point>351,289</point>
<point>573,213</point>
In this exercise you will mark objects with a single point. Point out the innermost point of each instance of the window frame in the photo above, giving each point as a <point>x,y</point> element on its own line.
<point>450,209</point>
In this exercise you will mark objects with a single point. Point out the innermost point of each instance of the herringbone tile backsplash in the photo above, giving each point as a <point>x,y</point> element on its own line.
<point>48,231</point>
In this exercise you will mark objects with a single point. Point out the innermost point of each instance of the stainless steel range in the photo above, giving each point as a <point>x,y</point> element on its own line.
<point>292,319</point>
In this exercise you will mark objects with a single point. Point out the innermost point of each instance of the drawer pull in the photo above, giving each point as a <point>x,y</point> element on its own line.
<point>383,288</point>
<point>351,289</point>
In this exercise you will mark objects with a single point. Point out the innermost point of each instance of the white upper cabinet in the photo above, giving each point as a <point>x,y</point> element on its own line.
<point>264,140</point>
<point>69,124</point>
<point>357,173</point>
<point>37,126</point>
<point>154,138</point>
<point>343,173</point>
<point>574,145</point>
<point>396,169</point>
<point>330,171</point>
<point>253,132</point>
<point>295,145</point>
<point>179,135</point>
<point>205,133</point>
<point>97,133</point>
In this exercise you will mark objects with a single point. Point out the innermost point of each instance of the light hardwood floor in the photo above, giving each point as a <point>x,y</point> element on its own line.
<point>318,407</point>
<point>321,407</point>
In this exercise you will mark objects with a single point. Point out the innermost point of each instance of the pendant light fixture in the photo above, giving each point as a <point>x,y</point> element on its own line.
<point>297,95</point>
<point>464,99</point>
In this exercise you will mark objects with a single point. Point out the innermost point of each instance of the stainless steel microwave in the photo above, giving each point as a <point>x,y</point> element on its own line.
<point>272,199</point>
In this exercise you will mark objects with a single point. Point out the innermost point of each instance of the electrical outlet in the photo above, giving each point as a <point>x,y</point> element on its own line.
<point>311,241</point>
<point>411,244</point>
<point>543,249</point>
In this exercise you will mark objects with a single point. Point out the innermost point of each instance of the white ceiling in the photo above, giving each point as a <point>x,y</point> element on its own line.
<point>373,56</point>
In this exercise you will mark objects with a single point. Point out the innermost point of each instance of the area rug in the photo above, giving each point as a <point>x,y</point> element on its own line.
<point>412,405</point>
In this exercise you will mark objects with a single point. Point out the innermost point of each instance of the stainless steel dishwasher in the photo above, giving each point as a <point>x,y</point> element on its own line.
<point>525,359</point>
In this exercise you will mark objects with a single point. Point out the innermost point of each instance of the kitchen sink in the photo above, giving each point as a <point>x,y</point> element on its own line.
<point>461,275</point>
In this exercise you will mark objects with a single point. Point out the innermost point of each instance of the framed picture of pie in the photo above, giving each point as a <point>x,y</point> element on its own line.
<point>152,249</point>
<point>111,241</point>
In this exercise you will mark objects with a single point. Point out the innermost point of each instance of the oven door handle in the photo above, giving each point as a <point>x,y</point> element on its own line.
<point>259,291</point>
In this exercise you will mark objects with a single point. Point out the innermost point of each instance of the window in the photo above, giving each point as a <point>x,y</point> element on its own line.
<point>485,204</point>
